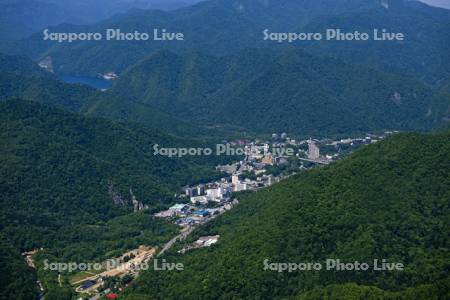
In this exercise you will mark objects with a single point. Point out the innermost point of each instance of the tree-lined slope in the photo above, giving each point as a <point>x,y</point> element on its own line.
<point>269,91</point>
<point>425,30</point>
<point>72,185</point>
<point>60,170</point>
<point>387,201</point>
<point>22,78</point>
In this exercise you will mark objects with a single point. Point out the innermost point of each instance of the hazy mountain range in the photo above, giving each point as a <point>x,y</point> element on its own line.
<point>221,75</point>
<point>219,27</point>
<point>19,18</point>
<point>438,3</point>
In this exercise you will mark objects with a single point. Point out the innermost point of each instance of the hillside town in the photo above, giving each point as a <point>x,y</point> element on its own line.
<point>264,164</point>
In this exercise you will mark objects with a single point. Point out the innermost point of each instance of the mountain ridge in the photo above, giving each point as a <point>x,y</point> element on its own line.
<point>266,91</point>
<point>221,28</point>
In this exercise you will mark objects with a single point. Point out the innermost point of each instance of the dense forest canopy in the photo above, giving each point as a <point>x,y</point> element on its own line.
<point>269,91</point>
<point>387,201</point>
<point>80,182</point>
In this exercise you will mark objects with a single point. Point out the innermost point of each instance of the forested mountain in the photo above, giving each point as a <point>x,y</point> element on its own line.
<point>20,18</point>
<point>22,78</point>
<point>270,91</point>
<point>253,90</point>
<point>80,181</point>
<point>57,168</point>
<point>223,27</point>
<point>216,26</point>
<point>441,104</point>
<point>387,201</point>
<point>258,90</point>
<point>421,53</point>
<point>16,280</point>
<point>68,184</point>
<point>20,65</point>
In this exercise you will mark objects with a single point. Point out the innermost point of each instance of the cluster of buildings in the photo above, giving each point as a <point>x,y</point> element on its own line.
<point>313,152</point>
<point>206,201</point>
<point>222,191</point>
<point>203,202</point>
<point>202,242</point>
<point>189,215</point>
<point>216,192</point>
<point>360,141</point>
<point>127,264</point>
<point>210,199</point>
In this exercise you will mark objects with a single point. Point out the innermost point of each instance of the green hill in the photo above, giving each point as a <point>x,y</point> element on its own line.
<point>386,201</point>
<point>440,109</point>
<point>261,91</point>
<point>16,280</point>
<point>22,78</point>
<point>268,91</point>
<point>60,169</point>
<point>424,29</point>
<point>68,184</point>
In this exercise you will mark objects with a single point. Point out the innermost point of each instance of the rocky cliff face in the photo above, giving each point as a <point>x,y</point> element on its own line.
<point>132,201</point>
<point>47,64</point>
<point>137,205</point>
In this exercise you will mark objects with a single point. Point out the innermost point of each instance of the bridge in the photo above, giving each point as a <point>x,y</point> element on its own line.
<point>320,162</point>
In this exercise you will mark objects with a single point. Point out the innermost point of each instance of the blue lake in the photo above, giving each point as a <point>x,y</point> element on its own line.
<point>94,82</point>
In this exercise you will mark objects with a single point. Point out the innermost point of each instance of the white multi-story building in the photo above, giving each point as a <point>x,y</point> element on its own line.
<point>313,150</point>
<point>200,190</point>
<point>235,179</point>
<point>199,199</point>
<point>215,193</point>
<point>239,187</point>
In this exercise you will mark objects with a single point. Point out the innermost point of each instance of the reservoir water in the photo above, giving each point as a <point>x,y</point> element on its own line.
<point>94,82</point>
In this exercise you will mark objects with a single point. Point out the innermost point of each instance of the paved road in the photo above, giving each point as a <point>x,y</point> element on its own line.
<point>179,237</point>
